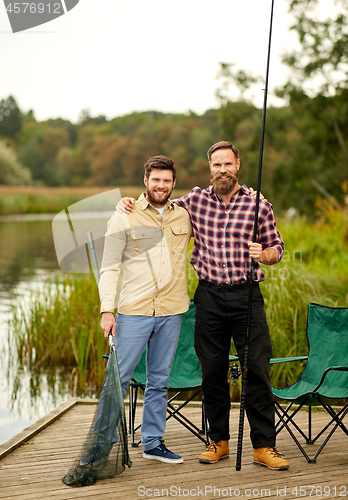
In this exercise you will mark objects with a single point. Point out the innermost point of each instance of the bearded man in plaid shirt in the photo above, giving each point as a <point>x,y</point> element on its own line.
<point>222,218</point>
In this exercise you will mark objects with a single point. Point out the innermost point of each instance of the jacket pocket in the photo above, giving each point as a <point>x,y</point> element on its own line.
<point>179,238</point>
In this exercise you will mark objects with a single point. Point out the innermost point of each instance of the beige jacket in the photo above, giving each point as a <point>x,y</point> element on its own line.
<point>153,254</point>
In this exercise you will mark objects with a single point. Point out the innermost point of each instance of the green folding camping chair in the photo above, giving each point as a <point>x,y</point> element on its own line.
<point>324,379</point>
<point>184,380</point>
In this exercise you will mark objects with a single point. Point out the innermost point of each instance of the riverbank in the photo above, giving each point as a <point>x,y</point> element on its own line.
<point>51,200</point>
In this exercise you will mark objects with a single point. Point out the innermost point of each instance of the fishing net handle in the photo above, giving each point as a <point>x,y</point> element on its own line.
<point>111,342</point>
<point>96,269</point>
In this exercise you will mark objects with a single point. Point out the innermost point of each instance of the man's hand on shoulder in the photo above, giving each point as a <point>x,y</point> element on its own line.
<point>108,324</point>
<point>253,193</point>
<point>125,206</point>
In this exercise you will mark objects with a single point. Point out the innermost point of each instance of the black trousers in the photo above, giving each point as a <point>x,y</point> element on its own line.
<point>220,316</point>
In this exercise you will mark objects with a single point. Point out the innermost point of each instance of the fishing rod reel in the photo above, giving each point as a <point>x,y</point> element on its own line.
<point>234,373</point>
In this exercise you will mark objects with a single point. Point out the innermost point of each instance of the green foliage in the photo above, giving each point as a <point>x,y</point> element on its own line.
<point>45,150</point>
<point>11,171</point>
<point>239,80</point>
<point>324,48</point>
<point>306,140</point>
<point>317,92</point>
<point>97,152</point>
<point>62,330</point>
<point>10,117</point>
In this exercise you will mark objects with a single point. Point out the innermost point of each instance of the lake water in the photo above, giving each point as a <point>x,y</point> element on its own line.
<point>27,262</point>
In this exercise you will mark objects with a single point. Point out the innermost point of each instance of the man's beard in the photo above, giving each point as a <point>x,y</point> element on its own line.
<point>156,200</point>
<point>224,187</point>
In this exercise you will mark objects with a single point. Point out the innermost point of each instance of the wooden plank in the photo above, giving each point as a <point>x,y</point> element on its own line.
<point>34,472</point>
<point>41,424</point>
<point>35,428</point>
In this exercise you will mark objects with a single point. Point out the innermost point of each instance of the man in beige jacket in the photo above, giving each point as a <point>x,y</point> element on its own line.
<point>152,246</point>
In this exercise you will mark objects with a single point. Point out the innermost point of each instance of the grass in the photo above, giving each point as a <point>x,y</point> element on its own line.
<point>51,200</point>
<point>62,327</point>
<point>30,200</point>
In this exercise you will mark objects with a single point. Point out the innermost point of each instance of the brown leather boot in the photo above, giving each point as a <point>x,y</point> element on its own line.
<point>271,458</point>
<point>215,452</point>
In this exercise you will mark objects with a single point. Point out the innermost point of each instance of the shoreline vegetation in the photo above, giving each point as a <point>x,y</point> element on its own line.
<point>50,335</point>
<point>15,200</point>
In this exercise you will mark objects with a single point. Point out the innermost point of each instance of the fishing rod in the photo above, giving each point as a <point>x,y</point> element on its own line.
<point>252,269</point>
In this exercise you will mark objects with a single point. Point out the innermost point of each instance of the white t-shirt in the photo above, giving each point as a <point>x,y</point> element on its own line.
<point>161,211</point>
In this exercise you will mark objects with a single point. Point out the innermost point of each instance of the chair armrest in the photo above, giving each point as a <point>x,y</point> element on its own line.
<point>287,360</point>
<point>233,358</point>
<point>335,368</point>
<point>276,360</point>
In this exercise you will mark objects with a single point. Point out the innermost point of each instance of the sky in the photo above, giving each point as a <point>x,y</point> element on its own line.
<point>113,57</point>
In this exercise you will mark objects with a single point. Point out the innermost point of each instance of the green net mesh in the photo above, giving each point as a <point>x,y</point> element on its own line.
<point>104,453</point>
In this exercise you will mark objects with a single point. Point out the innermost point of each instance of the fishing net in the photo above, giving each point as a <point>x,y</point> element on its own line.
<point>104,453</point>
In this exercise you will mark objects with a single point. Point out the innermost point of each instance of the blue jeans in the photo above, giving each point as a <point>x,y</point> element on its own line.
<point>161,336</point>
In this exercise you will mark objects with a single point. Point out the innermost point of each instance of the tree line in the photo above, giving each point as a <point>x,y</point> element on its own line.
<point>101,152</point>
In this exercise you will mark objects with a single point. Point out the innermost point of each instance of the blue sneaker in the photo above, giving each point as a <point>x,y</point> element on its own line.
<point>162,454</point>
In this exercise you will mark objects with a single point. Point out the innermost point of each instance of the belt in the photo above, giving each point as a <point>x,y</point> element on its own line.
<point>226,287</point>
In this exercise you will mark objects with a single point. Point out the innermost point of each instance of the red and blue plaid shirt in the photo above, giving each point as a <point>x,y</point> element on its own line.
<point>221,234</point>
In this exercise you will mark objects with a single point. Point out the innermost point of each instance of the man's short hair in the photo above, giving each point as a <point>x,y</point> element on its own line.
<point>162,163</point>
<point>222,145</point>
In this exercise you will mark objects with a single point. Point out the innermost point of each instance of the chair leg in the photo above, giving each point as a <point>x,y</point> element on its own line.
<point>309,440</point>
<point>338,424</point>
<point>284,412</point>
<point>130,410</point>
<point>204,423</point>
<point>131,414</point>
<point>133,396</point>
<point>335,417</point>
<point>204,420</point>
<point>285,419</point>
<point>285,424</point>
<point>289,418</point>
<point>175,413</point>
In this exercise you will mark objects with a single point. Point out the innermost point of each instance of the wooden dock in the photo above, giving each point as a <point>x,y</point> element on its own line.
<point>32,464</point>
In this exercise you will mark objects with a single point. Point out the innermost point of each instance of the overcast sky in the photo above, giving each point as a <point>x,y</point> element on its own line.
<point>117,56</point>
